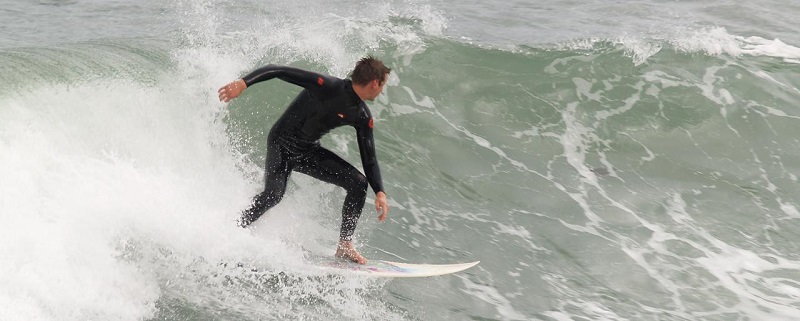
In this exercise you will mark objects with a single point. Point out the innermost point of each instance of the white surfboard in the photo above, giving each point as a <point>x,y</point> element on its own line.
<point>389,269</point>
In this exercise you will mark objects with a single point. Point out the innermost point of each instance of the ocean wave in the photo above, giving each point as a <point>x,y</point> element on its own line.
<point>634,166</point>
<point>707,41</point>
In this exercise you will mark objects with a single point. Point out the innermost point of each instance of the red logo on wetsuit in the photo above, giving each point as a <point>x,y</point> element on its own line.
<point>320,81</point>
<point>370,123</point>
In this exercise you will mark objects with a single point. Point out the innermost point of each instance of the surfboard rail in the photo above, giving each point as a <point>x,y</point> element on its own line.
<point>380,268</point>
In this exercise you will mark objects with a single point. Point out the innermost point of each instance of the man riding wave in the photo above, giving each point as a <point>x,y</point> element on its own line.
<point>325,103</point>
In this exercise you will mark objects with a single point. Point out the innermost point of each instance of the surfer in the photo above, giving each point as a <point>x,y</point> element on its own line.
<point>325,103</point>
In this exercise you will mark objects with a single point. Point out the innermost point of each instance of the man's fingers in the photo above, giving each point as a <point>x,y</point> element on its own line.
<point>223,94</point>
<point>383,209</point>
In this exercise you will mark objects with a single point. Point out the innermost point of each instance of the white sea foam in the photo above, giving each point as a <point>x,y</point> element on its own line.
<point>715,41</point>
<point>96,170</point>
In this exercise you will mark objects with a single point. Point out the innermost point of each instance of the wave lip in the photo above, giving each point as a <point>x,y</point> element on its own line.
<point>715,42</point>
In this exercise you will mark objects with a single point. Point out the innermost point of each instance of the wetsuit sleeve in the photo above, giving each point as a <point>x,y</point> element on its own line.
<point>319,85</point>
<point>366,146</point>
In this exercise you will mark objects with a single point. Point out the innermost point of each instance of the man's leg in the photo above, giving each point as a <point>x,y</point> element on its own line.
<point>330,168</point>
<point>276,175</point>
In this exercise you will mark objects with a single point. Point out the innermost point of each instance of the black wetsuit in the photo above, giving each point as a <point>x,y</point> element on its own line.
<point>293,143</point>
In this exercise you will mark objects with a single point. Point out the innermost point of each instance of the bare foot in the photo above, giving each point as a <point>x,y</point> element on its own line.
<point>346,251</point>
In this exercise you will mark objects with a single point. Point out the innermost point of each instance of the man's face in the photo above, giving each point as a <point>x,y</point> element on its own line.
<point>376,87</point>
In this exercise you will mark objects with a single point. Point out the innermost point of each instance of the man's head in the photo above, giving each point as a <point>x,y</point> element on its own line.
<point>368,77</point>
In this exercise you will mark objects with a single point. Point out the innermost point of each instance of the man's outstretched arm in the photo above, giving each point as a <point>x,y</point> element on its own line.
<point>316,83</point>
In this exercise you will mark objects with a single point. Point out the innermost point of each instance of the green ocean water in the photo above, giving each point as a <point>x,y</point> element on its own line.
<point>644,169</point>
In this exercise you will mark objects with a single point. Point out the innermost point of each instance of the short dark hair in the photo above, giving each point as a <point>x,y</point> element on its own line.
<point>368,69</point>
